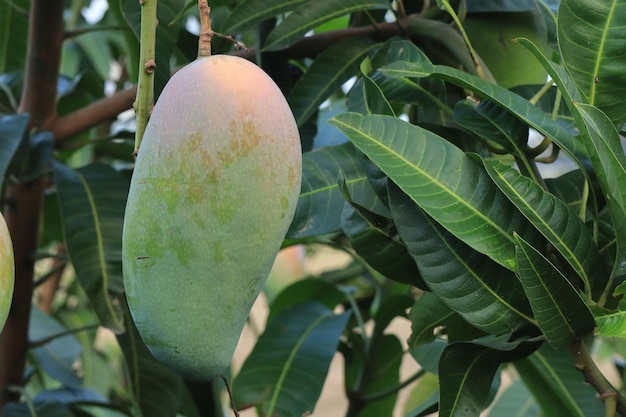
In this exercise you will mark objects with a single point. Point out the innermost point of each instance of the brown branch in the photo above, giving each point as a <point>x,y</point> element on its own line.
<point>22,216</point>
<point>108,108</point>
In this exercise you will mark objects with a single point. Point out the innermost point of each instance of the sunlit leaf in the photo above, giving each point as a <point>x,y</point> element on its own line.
<point>561,313</point>
<point>250,12</point>
<point>285,372</point>
<point>475,211</point>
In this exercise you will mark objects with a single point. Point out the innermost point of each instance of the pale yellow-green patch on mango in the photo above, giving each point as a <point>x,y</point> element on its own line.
<point>7,272</point>
<point>212,195</point>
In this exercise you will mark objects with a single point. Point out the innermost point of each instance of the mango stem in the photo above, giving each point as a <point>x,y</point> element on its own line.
<point>145,85</point>
<point>204,41</point>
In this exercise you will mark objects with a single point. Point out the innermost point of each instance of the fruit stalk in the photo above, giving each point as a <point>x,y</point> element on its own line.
<point>204,41</point>
<point>145,86</point>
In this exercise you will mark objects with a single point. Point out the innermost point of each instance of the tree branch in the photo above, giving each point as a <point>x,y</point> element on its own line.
<point>108,108</point>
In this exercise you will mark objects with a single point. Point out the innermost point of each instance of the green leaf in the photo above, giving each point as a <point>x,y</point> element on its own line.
<point>609,163</point>
<point>311,289</point>
<point>561,313</point>
<point>610,323</point>
<point>428,313</point>
<point>519,106</point>
<point>484,293</point>
<point>12,131</point>
<point>475,211</point>
<point>312,14</point>
<point>515,401</point>
<point>557,385</point>
<point>330,69</point>
<point>92,201</point>
<point>319,208</point>
<point>155,390</point>
<point>47,409</point>
<point>13,35</point>
<point>555,221</point>
<point>285,372</point>
<point>591,42</point>
<point>375,239</point>
<point>250,12</point>
<point>373,96</point>
<point>466,372</point>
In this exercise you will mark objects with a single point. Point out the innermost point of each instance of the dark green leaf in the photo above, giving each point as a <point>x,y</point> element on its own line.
<point>561,313</point>
<point>427,314</point>
<point>475,211</point>
<point>555,220</point>
<point>311,289</point>
<point>250,12</point>
<point>12,131</point>
<point>319,207</point>
<point>155,390</point>
<point>466,372</point>
<point>557,385</point>
<point>515,401</point>
<point>485,294</point>
<point>14,34</point>
<point>312,14</point>
<point>331,68</point>
<point>591,42</point>
<point>494,6</point>
<point>373,97</point>
<point>92,201</point>
<point>375,239</point>
<point>44,409</point>
<point>285,372</point>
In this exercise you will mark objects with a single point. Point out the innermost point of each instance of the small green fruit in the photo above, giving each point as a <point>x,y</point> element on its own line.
<point>213,193</point>
<point>7,272</point>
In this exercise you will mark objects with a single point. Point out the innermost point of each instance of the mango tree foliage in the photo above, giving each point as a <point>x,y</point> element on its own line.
<point>475,203</point>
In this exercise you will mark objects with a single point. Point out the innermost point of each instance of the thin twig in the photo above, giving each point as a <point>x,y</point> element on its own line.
<point>230,395</point>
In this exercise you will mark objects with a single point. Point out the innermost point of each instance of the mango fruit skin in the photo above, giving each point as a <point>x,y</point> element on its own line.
<point>213,192</point>
<point>7,272</point>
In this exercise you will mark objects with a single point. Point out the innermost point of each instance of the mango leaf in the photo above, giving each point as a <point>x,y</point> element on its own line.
<point>466,372</point>
<point>14,35</point>
<point>250,12</point>
<point>519,106</point>
<point>166,35</point>
<point>310,289</point>
<point>285,372</point>
<point>484,293</point>
<point>319,208</point>
<point>428,313</point>
<point>373,97</point>
<point>312,14</point>
<point>41,408</point>
<point>424,397</point>
<point>381,373</point>
<point>375,239</point>
<point>555,220</point>
<point>610,323</point>
<point>155,390</point>
<point>92,201</point>
<point>331,68</point>
<point>58,356</point>
<point>561,313</point>
<point>12,131</point>
<point>515,401</point>
<point>557,385</point>
<point>475,211</point>
<point>591,41</point>
<point>609,163</point>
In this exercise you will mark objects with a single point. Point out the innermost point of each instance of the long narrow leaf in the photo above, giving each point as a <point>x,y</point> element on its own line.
<point>285,372</point>
<point>555,220</point>
<point>313,14</point>
<point>12,130</point>
<point>453,189</point>
<point>327,73</point>
<point>92,201</point>
<point>591,41</point>
<point>561,313</point>
<point>485,294</point>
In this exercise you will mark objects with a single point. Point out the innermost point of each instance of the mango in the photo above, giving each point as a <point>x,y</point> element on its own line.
<point>7,271</point>
<point>213,192</point>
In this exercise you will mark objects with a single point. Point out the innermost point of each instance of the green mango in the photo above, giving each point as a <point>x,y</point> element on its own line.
<point>213,192</point>
<point>7,271</point>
